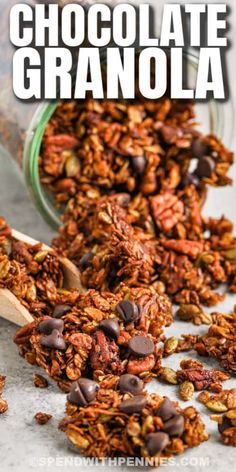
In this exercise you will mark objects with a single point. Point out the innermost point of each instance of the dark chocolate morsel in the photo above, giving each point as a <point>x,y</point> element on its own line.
<point>76,396</point>
<point>141,346</point>
<point>47,326</point>
<point>171,133</point>
<point>128,310</point>
<point>166,410</point>
<point>61,310</point>
<point>85,260</point>
<point>130,383</point>
<point>83,391</point>
<point>174,426</point>
<point>226,423</point>
<point>199,148</point>
<point>190,179</point>
<point>89,388</point>
<point>139,164</point>
<point>133,405</point>
<point>110,327</point>
<point>53,341</point>
<point>156,442</point>
<point>205,167</point>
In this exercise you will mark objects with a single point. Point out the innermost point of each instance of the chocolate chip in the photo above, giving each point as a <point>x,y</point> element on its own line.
<point>61,310</point>
<point>205,167</point>
<point>76,396</point>
<point>171,133</point>
<point>166,410</point>
<point>129,311</point>
<point>89,388</point>
<point>190,179</point>
<point>199,148</point>
<point>139,164</point>
<point>226,423</point>
<point>110,327</point>
<point>54,341</point>
<point>141,346</point>
<point>47,326</point>
<point>130,383</point>
<point>83,391</point>
<point>156,442</point>
<point>174,426</point>
<point>133,405</point>
<point>85,260</point>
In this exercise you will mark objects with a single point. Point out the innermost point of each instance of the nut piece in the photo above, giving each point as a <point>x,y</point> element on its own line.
<point>169,375</point>
<point>40,381</point>
<point>42,418</point>
<point>186,390</point>
<point>216,406</point>
<point>40,256</point>
<point>194,313</point>
<point>231,414</point>
<point>170,345</point>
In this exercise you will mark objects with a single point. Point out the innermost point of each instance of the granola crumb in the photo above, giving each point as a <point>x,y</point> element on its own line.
<point>42,418</point>
<point>3,406</point>
<point>2,383</point>
<point>40,381</point>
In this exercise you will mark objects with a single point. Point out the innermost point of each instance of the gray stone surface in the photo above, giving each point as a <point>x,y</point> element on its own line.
<point>26,446</point>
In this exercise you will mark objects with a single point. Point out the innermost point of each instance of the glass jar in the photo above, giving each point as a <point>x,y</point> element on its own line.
<point>210,115</point>
<point>22,125</point>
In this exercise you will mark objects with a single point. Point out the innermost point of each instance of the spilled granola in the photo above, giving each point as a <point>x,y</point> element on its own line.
<point>218,342</point>
<point>130,179</point>
<point>151,164</point>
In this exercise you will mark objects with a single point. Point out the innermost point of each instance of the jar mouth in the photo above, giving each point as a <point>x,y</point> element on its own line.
<point>217,111</point>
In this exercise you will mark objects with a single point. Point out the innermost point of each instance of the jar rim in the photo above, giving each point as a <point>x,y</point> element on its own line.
<point>32,145</point>
<point>44,112</point>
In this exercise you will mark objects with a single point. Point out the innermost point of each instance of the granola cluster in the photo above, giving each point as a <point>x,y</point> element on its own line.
<point>121,424</point>
<point>99,334</point>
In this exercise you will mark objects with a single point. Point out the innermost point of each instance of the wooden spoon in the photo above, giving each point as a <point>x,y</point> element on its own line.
<point>11,308</point>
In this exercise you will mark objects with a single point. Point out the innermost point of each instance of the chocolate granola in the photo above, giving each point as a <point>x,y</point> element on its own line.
<point>130,178</point>
<point>114,424</point>
<point>99,334</point>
